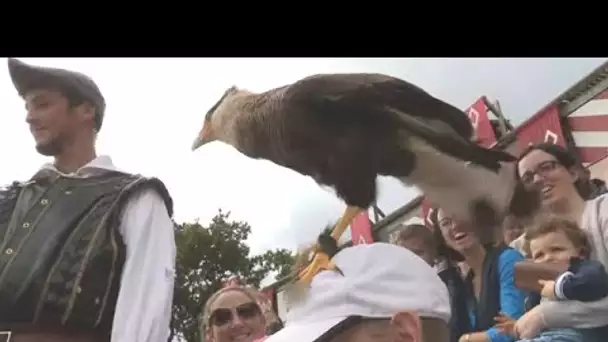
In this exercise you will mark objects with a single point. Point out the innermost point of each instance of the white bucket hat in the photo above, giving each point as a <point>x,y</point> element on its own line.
<point>378,280</point>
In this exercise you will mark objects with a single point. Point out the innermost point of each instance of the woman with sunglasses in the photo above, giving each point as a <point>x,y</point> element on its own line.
<point>233,314</point>
<point>552,170</point>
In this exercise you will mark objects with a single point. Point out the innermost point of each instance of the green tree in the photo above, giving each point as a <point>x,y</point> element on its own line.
<point>206,257</point>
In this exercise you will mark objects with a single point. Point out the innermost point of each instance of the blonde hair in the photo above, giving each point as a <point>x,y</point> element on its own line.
<point>247,291</point>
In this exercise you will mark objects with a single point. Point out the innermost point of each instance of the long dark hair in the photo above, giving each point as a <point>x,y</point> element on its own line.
<point>565,158</point>
<point>443,250</point>
<point>489,239</point>
<point>453,278</point>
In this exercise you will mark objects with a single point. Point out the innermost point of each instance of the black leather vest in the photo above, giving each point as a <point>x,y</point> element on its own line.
<point>61,253</point>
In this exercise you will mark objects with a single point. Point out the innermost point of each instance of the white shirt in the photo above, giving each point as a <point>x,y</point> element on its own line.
<point>520,245</point>
<point>143,308</point>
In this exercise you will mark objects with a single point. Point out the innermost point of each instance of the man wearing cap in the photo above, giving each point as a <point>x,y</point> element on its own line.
<point>87,252</point>
<point>383,292</point>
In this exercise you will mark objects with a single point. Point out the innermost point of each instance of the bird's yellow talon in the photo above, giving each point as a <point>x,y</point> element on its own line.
<point>319,262</point>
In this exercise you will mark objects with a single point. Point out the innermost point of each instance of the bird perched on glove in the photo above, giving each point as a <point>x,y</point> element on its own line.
<point>344,130</point>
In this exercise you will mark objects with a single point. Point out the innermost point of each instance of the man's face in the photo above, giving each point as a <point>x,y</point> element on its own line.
<point>52,122</point>
<point>403,327</point>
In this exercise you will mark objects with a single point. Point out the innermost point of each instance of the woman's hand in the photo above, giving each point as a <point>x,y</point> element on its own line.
<point>465,338</point>
<point>474,337</point>
<point>506,324</point>
<point>530,324</point>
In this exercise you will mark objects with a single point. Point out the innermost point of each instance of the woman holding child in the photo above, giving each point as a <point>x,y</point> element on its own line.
<point>552,170</point>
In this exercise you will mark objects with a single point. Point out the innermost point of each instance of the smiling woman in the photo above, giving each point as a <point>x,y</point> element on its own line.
<point>233,314</point>
<point>552,169</point>
<point>488,288</point>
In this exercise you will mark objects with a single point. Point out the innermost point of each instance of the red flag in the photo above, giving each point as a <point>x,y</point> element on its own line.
<point>361,229</point>
<point>482,127</point>
<point>543,127</point>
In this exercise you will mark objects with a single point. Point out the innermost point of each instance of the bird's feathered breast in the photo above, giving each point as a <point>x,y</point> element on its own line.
<point>292,127</point>
<point>256,125</point>
<point>323,124</point>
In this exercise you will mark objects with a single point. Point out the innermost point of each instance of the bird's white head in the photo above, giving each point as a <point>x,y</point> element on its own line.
<point>208,132</point>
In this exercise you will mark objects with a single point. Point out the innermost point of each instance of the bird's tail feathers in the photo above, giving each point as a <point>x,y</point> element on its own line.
<point>448,141</point>
<point>465,190</point>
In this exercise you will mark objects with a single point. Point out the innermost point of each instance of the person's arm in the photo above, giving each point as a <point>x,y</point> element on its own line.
<point>586,281</point>
<point>574,314</point>
<point>532,301</point>
<point>143,309</point>
<point>512,299</point>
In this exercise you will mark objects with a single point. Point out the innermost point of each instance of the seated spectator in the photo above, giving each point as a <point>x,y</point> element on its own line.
<point>511,230</point>
<point>513,235</point>
<point>419,240</point>
<point>382,292</point>
<point>521,246</point>
<point>233,313</point>
<point>450,271</point>
<point>429,244</point>
<point>489,284</point>
<point>558,240</point>
<point>552,168</point>
<point>590,187</point>
<point>597,187</point>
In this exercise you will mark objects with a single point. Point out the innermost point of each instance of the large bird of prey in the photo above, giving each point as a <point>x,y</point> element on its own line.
<point>344,130</point>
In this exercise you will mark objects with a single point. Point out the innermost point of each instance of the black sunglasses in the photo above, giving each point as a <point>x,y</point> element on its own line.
<point>223,316</point>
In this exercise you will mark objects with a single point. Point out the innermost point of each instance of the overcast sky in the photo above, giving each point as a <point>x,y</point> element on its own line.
<point>155,108</point>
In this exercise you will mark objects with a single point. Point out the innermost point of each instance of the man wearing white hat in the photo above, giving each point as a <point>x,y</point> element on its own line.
<point>383,293</point>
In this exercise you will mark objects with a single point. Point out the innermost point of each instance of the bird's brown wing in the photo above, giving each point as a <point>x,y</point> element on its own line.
<point>382,91</point>
<point>374,97</point>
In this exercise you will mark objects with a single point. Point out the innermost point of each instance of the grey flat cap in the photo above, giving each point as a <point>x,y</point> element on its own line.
<point>27,77</point>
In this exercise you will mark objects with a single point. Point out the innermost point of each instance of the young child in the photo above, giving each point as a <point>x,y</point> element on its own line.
<point>513,235</point>
<point>511,230</point>
<point>419,240</point>
<point>557,240</point>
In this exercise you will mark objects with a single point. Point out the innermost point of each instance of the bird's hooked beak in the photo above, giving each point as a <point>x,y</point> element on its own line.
<point>205,136</point>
